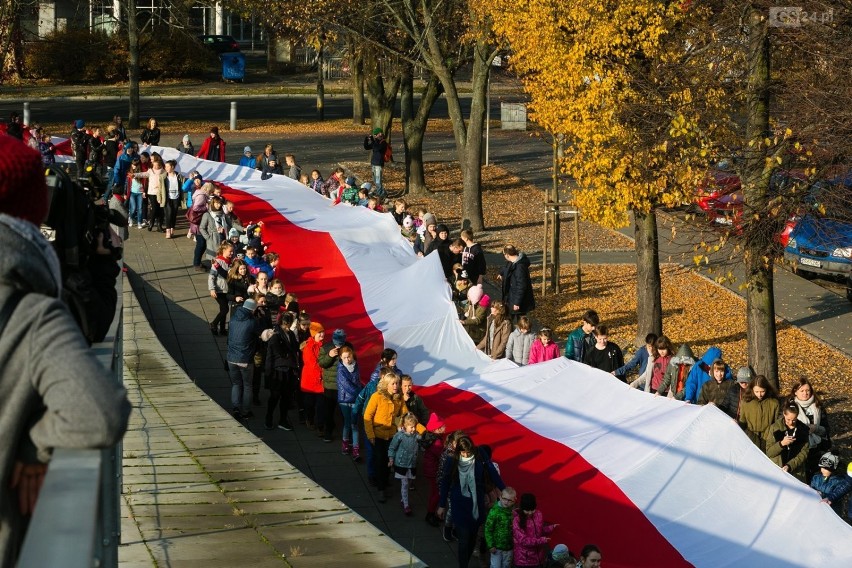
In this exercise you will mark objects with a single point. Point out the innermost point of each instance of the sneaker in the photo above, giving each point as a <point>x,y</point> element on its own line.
<point>408,512</point>
<point>356,454</point>
<point>381,498</point>
<point>235,412</point>
<point>248,414</point>
<point>344,447</point>
<point>433,519</point>
<point>326,438</point>
<point>285,425</point>
<point>268,425</point>
<point>447,533</point>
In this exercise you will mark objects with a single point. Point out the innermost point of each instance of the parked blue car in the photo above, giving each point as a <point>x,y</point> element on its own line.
<point>821,243</point>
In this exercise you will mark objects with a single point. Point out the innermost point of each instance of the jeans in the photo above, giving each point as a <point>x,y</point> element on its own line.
<point>349,433</point>
<point>135,208</point>
<point>200,247</point>
<point>377,180</point>
<point>240,387</point>
<point>501,559</point>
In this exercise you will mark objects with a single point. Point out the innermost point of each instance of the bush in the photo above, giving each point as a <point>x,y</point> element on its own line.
<point>75,56</point>
<point>175,55</point>
<point>81,56</point>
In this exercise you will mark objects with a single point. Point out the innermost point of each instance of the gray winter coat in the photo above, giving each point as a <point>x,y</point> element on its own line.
<point>518,347</point>
<point>55,393</point>
<point>208,229</point>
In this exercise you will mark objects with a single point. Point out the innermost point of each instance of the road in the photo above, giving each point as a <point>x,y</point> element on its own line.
<point>214,109</point>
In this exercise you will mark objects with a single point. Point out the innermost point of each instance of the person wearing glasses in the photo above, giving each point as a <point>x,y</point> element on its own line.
<point>498,529</point>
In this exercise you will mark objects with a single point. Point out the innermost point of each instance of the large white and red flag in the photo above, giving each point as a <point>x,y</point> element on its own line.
<point>653,482</point>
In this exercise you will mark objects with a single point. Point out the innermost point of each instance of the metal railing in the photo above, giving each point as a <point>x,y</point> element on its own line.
<point>77,519</point>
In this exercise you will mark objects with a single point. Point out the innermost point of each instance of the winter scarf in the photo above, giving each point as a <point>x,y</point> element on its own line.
<point>809,413</point>
<point>467,482</point>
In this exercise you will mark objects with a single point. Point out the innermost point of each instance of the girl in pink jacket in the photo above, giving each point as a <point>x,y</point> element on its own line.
<point>529,533</point>
<point>543,348</point>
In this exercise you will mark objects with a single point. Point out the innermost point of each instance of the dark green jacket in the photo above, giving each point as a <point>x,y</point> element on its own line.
<point>328,364</point>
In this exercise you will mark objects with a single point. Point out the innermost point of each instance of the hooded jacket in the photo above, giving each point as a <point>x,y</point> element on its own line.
<point>518,346</point>
<point>685,358</point>
<point>55,392</point>
<point>700,374</point>
<point>348,384</point>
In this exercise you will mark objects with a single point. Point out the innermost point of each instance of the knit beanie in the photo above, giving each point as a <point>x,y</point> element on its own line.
<point>475,293</point>
<point>316,328</point>
<point>23,191</point>
<point>561,553</point>
<point>377,131</point>
<point>214,130</point>
<point>434,423</point>
<point>338,338</point>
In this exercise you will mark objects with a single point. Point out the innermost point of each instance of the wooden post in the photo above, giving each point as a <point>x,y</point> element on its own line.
<point>544,255</point>
<point>577,247</point>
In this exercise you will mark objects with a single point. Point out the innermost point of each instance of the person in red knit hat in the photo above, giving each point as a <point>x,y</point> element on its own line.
<point>50,379</point>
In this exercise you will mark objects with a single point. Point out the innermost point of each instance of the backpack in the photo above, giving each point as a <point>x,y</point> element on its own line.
<point>388,153</point>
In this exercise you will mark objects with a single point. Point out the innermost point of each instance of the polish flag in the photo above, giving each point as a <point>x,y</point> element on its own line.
<point>652,481</point>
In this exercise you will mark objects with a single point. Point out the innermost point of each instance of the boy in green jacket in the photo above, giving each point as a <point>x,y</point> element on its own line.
<point>498,529</point>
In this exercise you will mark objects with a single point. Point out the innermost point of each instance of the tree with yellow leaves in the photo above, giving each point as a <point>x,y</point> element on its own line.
<point>629,87</point>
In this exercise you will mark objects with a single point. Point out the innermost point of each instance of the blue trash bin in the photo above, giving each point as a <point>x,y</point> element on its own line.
<point>233,66</point>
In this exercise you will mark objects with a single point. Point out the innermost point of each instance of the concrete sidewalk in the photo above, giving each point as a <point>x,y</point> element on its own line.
<point>201,490</point>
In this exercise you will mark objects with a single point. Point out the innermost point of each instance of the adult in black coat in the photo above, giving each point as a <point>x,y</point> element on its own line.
<point>281,372</point>
<point>516,284</point>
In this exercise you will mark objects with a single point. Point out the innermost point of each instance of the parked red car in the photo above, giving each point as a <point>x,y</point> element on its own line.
<point>719,181</point>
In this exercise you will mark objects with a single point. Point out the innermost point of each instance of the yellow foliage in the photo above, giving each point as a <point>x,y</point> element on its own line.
<point>617,80</point>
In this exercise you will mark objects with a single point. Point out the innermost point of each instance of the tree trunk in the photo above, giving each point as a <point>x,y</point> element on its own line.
<point>472,216</point>
<point>649,306</point>
<point>468,137</point>
<point>11,43</point>
<point>414,129</point>
<point>760,299</point>
<point>133,64</point>
<point>320,84</point>
<point>357,65</point>
<point>381,94</point>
